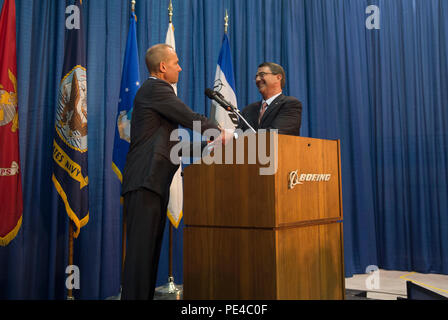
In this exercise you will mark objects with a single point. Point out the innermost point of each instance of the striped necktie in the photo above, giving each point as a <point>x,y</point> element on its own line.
<point>263,109</point>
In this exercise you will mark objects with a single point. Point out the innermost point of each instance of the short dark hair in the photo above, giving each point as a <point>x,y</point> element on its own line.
<point>156,54</point>
<point>275,69</point>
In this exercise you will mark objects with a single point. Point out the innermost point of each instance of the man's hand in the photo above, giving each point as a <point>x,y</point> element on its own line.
<point>225,137</point>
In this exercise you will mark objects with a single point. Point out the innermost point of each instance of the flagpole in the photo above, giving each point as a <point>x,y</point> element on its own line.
<point>226,22</point>
<point>133,2</point>
<point>70,254</point>
<point>170,288</point>
<point>170,12</point>
<point>123,244</point>
<point>170,247</point>
<point>123,233</point>
<point>170,254</point>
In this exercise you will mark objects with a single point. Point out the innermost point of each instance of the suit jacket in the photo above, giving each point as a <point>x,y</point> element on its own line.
<point>157,112</point>
<point>284,114</point>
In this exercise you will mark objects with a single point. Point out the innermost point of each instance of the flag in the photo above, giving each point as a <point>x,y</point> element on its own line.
<point>172,42</point>
<point>130,83</point>
<point>176,189</point>
<point>10,172</point>
<point>70,176</point>
<point>225,84</point>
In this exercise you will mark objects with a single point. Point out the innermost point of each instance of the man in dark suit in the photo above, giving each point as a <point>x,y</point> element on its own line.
<point>275,111</point>
<point>149,171</point>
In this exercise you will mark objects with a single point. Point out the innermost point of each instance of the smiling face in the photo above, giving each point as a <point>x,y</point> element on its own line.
<point>267,83</point>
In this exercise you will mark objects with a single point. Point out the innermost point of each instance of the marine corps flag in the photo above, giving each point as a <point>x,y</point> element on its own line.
<point>10,172</point>
<point>70,176</point>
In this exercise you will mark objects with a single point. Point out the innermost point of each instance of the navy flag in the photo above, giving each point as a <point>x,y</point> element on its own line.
<point>70,176</point>
<point>130,83</point>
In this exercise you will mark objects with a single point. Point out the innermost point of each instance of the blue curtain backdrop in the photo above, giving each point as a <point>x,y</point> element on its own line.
<point>383,93</point>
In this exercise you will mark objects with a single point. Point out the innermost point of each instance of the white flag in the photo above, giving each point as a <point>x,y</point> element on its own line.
<point>225,84</point>
<point>172,42</point>
<point>175,203</point>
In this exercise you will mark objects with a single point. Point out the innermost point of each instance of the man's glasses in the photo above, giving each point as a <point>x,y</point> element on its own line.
<point>262,74</point>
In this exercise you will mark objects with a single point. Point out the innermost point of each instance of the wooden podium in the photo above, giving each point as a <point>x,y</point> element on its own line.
<point>251,236</point>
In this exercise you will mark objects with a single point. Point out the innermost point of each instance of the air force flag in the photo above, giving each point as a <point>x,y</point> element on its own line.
<point>130,83</point>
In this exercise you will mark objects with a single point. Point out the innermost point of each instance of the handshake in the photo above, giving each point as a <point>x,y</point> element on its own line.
<point>225,136</point>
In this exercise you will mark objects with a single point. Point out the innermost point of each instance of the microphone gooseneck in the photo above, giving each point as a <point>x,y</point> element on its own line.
<point>219,98</point>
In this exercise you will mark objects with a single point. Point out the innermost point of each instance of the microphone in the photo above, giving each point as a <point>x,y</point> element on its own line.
<point>219,98</point>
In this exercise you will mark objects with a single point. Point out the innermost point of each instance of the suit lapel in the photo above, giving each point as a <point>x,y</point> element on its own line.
<point>274,105</point>
<point>254,115</point>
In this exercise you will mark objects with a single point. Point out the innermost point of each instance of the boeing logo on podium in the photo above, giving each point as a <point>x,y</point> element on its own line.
<point>295,179</point>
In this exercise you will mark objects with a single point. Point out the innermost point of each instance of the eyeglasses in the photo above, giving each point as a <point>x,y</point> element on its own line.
<point>262,74</point>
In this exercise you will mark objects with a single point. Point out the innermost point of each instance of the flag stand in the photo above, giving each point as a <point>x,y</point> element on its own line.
<point>70,255</point>
<point>170,288</point>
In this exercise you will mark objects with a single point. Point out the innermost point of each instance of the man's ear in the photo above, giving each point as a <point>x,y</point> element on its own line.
<point>162,67</point>
<point>279,77</point>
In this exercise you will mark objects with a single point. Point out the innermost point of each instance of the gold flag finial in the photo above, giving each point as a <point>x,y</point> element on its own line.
<point>133,2</point>
<point>170,11</point>
<point>226,22</point>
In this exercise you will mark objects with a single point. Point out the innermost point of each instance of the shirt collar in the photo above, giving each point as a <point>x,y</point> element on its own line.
<point>271,99</point>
